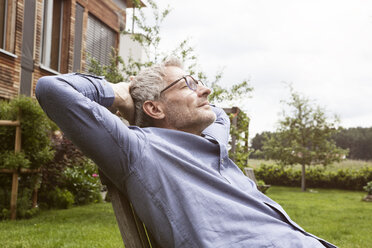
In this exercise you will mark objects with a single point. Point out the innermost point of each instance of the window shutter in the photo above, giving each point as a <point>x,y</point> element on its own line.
<point>100,40</point>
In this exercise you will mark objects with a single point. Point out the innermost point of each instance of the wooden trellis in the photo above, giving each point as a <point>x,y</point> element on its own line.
<point>16,172</point>
<point>234,122</point>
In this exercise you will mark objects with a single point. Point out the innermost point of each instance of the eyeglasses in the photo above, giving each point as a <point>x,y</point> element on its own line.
<point>191,82</point>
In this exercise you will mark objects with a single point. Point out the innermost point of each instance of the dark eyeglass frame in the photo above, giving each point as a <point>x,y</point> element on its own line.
<point>192,86</point>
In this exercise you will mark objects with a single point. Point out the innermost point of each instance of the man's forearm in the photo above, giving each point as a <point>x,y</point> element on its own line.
<point>62,90</point>
<point>77,104</point>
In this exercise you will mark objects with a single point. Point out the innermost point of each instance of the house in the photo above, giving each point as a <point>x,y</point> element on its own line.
<point>49,37</point>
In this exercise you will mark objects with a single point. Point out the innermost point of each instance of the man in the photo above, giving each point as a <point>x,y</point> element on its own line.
<point>173,165</point>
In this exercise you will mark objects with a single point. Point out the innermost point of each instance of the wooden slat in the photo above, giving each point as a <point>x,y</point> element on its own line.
<point>21,170</point>
<point>18,141</point>
<point>14,194</point>
<point>131,227</point>
<point>233,137</point>
<point>250,174</point>
<point>11,171</point>
<point>234,122</point>
<point>141,229</point>
<point>25,170</point>
<point>125,218</point>
<point>9,123</point>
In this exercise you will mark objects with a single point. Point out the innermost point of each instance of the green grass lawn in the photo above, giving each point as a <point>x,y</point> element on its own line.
<point>336,215</point>
<point>86,226</point>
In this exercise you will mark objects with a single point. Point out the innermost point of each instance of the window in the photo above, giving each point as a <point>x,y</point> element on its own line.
<point>100,41</point>
<point>7,24</point>
<point>52,34</point>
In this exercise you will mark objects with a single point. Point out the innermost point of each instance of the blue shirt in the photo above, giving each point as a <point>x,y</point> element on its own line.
<point>183,187</point>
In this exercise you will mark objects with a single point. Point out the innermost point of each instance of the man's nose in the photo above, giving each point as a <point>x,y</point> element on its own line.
<point>203,90</point>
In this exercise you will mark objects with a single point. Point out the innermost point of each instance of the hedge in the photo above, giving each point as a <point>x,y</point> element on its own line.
<point>316,177</point>
<point>67,176</point>
<point>36,127</point>
<point>36,151</point>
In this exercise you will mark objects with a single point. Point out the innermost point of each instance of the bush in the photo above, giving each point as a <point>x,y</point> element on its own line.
<point>82,180</point>
<point>24,204</point>
<point>36,152</point>
<point>66,154</point>
<point>69,170</point>
<point>368,188</point>
<point>11,160</point>
<point>67,177</point>
<point>61,198</point>
<point>316,177</point>
<point>35,127</point>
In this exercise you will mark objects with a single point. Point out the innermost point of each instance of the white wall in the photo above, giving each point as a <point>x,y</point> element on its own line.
<point>129,48</point>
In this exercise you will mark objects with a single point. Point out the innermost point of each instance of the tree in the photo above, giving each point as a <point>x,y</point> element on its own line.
<point>257,144</point>
<point>304,136</point>
<point>358,140</point>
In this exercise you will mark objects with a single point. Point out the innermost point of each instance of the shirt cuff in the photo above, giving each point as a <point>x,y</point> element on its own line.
<point>108,95</point>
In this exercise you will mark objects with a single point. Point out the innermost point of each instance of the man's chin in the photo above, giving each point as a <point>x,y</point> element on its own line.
<point>209,116</point>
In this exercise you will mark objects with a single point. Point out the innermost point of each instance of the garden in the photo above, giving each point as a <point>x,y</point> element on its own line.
<point>65,183</point>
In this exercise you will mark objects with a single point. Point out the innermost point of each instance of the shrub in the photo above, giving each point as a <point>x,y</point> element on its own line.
<point>66,154</point>
<point>368,188</point>
<point>82,180</point>
<point>316,177</point>
<point>24,203</point>
<point>36,151</point>
<point>11,160</point>
<point>35,127</point>
<point>61,198</point>
<point>69,170</point>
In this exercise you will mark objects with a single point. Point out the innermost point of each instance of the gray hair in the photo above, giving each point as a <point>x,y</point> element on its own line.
<point>147,86</point>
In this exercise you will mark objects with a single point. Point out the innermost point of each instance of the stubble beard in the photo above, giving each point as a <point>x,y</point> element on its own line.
<point>190,122</point>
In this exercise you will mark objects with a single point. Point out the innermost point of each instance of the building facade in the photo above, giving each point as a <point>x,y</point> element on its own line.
<point>48,37</point>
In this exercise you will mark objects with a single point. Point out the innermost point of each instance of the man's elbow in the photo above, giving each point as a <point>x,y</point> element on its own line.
<point>43,87</point>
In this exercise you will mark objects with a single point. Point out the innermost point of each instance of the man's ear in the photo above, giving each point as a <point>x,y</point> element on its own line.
<point>154,109</point>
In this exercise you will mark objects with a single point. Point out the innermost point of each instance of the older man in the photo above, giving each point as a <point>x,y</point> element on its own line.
<point>173,164</point>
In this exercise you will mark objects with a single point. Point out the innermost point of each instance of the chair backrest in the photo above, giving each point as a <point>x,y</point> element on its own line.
<point>133,231</point>
<point>249,172</point>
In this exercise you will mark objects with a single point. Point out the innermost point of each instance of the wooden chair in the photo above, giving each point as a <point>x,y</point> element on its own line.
<point>133,231</point>
<point>249,172</point>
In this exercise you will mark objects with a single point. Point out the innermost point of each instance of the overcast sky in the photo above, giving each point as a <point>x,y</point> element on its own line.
<point>322,47</point>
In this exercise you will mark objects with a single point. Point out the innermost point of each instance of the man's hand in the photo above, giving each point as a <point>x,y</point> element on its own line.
<point>123,101</point>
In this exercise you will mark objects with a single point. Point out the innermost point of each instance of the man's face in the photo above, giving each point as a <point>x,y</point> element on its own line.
<point>185,109</point>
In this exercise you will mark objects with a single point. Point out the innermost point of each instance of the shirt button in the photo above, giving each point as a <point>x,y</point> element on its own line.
<point>222,161</point>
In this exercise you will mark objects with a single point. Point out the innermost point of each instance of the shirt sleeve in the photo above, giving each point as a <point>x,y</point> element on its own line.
<point>77,104</point>
<point>220,129</point>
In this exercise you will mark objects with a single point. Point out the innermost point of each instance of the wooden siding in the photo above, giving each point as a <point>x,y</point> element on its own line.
<point>10,64</point>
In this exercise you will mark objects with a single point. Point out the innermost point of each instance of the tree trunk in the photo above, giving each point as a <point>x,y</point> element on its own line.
<point>303,187</point>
